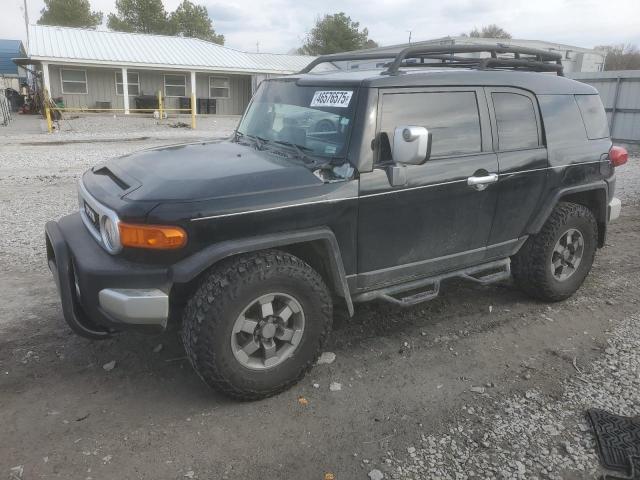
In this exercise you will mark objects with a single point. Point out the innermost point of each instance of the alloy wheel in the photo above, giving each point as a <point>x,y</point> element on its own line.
<point>567,254</point>
<point>267,331</point>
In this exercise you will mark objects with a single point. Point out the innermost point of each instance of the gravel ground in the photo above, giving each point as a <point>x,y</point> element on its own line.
<point>500,397</point>
<point>534,435</point>
<point>97,127</point>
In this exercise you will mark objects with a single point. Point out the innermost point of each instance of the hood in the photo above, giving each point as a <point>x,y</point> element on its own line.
<point>200,171</point>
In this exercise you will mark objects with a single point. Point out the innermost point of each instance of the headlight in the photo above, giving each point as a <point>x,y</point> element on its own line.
<point>110,234</point>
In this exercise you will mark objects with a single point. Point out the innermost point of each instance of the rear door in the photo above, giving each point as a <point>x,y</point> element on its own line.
<point>436,221</point>
<point>523,162</point>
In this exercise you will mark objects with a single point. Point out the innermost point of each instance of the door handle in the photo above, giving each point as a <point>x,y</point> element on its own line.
<point>480,183</point>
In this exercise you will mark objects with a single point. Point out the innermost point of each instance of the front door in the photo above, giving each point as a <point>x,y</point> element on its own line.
<point>438,220</point>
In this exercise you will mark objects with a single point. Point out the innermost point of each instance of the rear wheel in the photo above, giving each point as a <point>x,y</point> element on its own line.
<point>257,324</point>
<point>553,264</point>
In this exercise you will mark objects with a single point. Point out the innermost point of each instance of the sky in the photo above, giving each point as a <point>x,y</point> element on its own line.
<point>279,26</point>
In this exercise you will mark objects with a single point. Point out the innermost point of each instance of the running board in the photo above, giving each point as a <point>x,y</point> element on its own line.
<point>429,288</point>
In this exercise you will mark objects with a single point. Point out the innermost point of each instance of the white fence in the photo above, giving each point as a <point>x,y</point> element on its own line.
<point>5,110</point>
<point>620,93</point>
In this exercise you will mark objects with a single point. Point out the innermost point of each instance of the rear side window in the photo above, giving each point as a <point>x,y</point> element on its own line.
<point>452,118</point>
<point>516,119</point>
<point>562,119</point>
<point>593,115</point>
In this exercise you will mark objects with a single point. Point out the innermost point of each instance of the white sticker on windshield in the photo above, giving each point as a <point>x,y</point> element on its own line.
<point>331,98</point>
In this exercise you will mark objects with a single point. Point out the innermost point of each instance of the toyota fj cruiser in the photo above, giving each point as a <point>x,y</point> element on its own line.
<point>343,186</point>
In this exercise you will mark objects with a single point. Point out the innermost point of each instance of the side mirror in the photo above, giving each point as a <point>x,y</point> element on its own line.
<point>411,145</point>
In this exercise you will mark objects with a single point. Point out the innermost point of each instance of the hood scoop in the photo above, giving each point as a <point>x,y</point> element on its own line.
<point>104,170</point>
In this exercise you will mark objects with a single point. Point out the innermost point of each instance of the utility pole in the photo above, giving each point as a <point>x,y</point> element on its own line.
<point>26,22</point>
<point>409,35</point>
<point>258,47</point>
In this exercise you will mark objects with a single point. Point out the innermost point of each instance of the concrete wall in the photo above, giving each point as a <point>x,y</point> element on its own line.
<point>101,87</point>
<point>620,93</point>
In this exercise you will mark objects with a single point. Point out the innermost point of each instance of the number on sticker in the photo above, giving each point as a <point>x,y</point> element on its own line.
<point>331,98</point>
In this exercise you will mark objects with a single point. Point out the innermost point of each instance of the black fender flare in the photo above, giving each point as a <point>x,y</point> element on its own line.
<point>186,270</point>
<point>537,222</point>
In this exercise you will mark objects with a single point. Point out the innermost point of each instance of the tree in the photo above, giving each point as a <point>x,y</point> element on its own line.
<point>490,31</point>
<point>143,16</point>
<point>621,57</point>
<point>190,20</point>
<point>69,13</point>
<point>336,33</point>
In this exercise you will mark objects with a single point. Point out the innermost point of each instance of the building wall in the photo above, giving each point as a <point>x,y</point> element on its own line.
<point>101,87</point>
<point>620,93</point>
<point>9,82</point>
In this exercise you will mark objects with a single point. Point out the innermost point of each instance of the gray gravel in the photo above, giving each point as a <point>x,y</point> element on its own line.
<point>532,435</point>
<point>96,127</point>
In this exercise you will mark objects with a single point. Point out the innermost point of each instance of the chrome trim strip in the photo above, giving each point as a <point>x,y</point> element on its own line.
<point>269,209</point>
<point>102,211</point>
<point>387,192</point>
<point>548,168</point>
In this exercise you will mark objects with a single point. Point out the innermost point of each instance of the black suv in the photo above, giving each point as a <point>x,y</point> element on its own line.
<point>341,187</point>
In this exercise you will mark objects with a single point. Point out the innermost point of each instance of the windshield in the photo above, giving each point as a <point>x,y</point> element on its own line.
<point>315,119</point>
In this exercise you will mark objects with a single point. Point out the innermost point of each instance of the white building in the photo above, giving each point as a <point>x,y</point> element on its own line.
<point>574,59</point>
<point>92,69</point>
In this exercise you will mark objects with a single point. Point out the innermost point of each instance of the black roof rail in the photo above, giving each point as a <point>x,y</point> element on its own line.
<point>534,59</point>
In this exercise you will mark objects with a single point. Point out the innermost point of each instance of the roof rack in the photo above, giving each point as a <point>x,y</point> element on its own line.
<point>521,58</point>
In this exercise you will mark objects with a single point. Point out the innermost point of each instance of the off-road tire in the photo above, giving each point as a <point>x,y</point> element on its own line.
<point>212,310</point>
<point>531,265</point>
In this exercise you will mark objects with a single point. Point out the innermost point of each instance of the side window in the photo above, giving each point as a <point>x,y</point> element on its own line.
<point>452,118</point>
<point>593,115</point>
<point>516,120</point>
<point>562,120</point>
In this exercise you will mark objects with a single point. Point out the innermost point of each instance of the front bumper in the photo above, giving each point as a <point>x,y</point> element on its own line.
<point>102,293</point>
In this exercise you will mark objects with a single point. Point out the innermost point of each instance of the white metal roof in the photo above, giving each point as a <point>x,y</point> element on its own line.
<point>461,40</point>
<point>100,47</point>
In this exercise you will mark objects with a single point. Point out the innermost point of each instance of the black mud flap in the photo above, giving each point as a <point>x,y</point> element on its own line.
<point>61,267</point>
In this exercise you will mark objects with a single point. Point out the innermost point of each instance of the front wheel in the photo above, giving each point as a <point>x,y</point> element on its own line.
<point>552,264</point>
<point>257,324</point>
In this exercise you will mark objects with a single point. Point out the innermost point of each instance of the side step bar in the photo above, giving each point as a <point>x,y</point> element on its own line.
<point>429,288</point>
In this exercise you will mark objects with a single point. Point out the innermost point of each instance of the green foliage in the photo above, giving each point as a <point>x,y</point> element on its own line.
<point>336,33</point>
<point>190,20</point>
<point>69,13</point>
<point>621,57</point>
<point>149,16</point>
<point>144,16</point>
<point>490,31</point>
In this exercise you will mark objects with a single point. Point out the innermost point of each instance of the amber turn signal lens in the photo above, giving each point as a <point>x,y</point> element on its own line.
<point>152,236</point>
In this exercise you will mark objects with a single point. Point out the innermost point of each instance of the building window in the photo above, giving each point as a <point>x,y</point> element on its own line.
<point>134,83</point>
<point>73,81</point>
<point>218,87</point>
<point>175,85</point>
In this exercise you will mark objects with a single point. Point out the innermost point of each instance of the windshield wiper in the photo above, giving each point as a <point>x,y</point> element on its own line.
<point>259,141</point>
<point>299,149</point>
